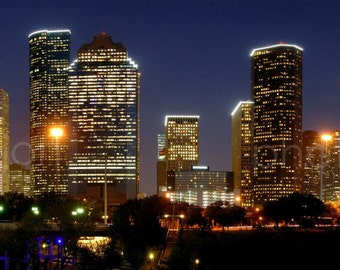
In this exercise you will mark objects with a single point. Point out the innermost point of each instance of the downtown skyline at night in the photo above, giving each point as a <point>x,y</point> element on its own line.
<point>194,59</point>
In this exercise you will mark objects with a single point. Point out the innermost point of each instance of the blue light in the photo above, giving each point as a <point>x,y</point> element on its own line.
<point>59,241</point>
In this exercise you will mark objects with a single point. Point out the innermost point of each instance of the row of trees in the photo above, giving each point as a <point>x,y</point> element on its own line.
<point>137,226</point>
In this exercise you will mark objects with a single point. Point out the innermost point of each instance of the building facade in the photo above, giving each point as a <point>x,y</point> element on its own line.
<point>182,144</point>
<point>104,87</point>
<point>276,90</point>
<point>202,187</point>
<point>242,165</point>
<point>312,150</point>
<point>4,142</point>
<point>331,167</point>
<point>49,54</point>
<point>20,179</point>
<point>161,172</point>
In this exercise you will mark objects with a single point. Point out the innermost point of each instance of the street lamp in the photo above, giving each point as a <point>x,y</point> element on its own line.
<point>170,196</point>
<point>326,138</point>
<point>57,132</point>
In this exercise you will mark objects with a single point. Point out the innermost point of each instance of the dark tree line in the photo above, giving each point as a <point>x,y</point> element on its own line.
<point>137,226</point>
<point>296,208</point>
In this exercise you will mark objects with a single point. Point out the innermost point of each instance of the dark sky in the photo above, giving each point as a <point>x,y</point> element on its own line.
<point>194,58</point>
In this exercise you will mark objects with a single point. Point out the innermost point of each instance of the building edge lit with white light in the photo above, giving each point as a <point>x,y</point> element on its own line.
<point>104,90</point>
<point>276,90</point>
<point>242,147</point>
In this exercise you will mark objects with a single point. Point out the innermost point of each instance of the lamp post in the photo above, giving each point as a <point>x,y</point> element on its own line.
<point>326,138</point>
<point>105,190</point>
<point>170,196</point>
<point>56,132</point>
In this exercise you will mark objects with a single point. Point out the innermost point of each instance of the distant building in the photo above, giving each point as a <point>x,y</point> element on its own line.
<point>331,167</point>
<point>242,150</point>
<point>4,142</point>
<point>311,162</point>
<point>49,53</point>
<point>276,90</point>
<point>182,143</point>
<point>161,171</point>
<point>104,90</point>
<point>20,179</point>
<point>202,187</point>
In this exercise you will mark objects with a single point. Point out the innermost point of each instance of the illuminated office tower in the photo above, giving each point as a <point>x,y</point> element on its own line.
<point>19,179</point>
<point>4,142</point>
<point>202,187</point>
<point>181,132</point>
<point>276,88</point>
<point>49,53</point>
<point>242,133</point>
<point>311,145</point>
<point>331,166</point>
<point>104,85</point>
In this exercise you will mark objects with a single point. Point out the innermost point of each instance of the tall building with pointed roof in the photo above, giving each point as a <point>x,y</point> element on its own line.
<point>104,88</point>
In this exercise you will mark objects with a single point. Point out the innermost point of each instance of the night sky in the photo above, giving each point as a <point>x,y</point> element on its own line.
<point>194,58</point>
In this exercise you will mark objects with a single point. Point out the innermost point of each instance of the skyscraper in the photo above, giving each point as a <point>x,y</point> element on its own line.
<point>19,182</point>
<point>104,86</point>
<point>4,142</point>
<point>312,151</point>
<point>242,134</point>
<point>276,89</point>
<point>161,173</point>
<point>330,166</point>
<point>182,144</point>
<point>49,53</point>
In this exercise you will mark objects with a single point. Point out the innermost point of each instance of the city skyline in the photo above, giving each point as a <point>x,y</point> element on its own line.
<point>197,63</point>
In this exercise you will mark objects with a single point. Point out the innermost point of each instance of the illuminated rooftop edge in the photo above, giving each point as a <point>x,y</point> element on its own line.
<point>180,116</point>
<point>200,167</point>
<point>240,103</point>
<point>49,31</point>
<point>277,45</point>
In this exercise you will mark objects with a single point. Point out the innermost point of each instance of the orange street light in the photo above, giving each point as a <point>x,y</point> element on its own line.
<point>56,132</point>
<point>326,138</point>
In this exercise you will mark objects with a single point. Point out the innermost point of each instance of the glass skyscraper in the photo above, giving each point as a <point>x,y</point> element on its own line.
<point>49,53</point>
<point>276,88</point>
<point>104,86</point>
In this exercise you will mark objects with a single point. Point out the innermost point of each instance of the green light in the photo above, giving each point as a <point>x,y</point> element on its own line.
<point>35,210</point>
<point>78,211</point>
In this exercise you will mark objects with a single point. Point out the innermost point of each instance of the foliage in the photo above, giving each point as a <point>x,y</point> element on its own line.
<point>15,205</point>
<point>194,216</point>
<point>136,228</point>
<point>224,214</point>
<point>295,207</point>
<point>52,217</point>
